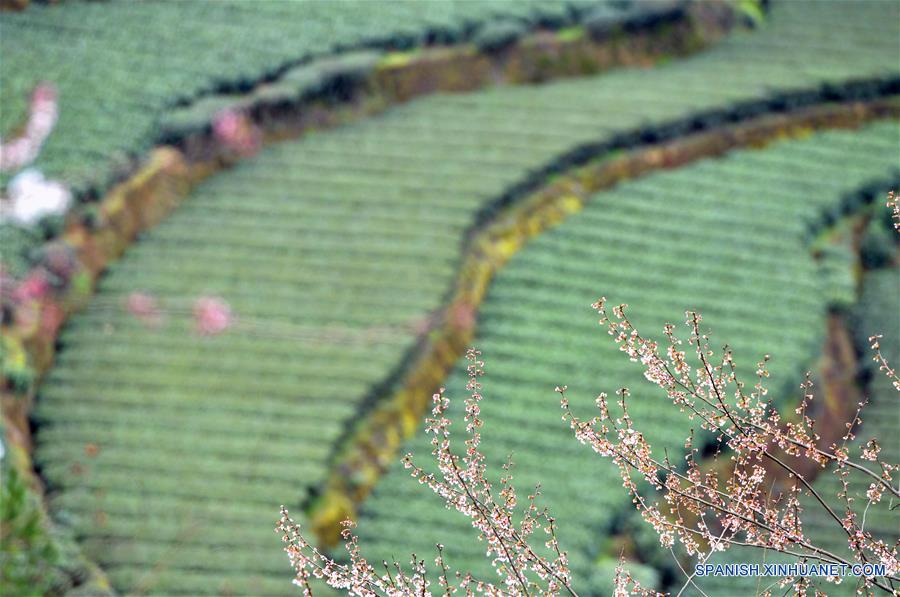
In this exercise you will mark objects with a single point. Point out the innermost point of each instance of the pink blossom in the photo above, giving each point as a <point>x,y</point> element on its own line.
<point>625,585</point>
<point>236,132</point>
<point>212,316</point>
<point>875,492</point>
<point>42,117</point>
<point>507,528</point>
<point>893,202</point>
<point>705,509</point>
<point>145,308</point>
<point>33,287</point>
<point>737,504</point>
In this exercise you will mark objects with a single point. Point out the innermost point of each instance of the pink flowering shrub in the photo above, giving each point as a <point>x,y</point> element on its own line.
<point>34,287</point>
<point>42,116</point>
<point>145,308</point>
<point>212,316</point>
<point>234,130</point>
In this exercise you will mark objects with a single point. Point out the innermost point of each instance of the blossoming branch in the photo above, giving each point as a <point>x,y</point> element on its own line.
<point>708,512</point>
<point>522,566</point>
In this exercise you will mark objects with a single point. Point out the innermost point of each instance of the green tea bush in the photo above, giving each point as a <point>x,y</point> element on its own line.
<point>878,247</point>
<point>498,35</point>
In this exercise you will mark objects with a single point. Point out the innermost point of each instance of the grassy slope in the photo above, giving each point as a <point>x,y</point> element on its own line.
<point>357,229</point>
<point>721,236</point>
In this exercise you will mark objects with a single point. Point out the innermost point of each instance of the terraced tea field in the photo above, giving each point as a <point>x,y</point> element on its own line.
<point>722,236</point>
<point>167,454</point>
<point>228,45</point>
<point>750,73</point>
<point>306,57</point>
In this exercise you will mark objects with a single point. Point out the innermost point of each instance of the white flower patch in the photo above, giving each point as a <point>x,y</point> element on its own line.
<point>31,196</point>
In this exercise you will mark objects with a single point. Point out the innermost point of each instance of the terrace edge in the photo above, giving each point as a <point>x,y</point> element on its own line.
<point>397,407</point>
<point>107,220</point>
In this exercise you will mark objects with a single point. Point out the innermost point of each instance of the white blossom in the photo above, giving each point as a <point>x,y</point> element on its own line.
<point>31,196</point>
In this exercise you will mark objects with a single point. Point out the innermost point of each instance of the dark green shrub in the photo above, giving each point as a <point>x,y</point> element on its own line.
<point>878,247</point>
<point>15,242</point>
<point>603,21</point>
<point>498,35</point>
<point>342,74</point>
<point>553,16</point>
<point>836,264</point>
<point>197,116</point>
<point>51,226</point>
<point>275,93</point>
<point>353,66</point>
<point>302,81</point>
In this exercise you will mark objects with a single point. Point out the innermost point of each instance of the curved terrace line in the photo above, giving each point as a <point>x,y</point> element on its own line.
<point>338,89</point>
<point>535,283</point>
<point>393,410</point>
<point>169,163</point>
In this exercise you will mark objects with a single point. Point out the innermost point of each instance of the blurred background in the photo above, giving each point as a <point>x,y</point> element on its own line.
<point>243,242</point>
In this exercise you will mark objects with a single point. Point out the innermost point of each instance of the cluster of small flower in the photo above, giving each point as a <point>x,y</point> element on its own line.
<point>43,113</point>
<point>893,202</point>
<point>625,585</point>
<point>25,301</point>
<point>708,510</point>
<point>462,483</point>
<point>211,315</point>
<point>358,577</point>
<point>30,196</point>
<point>237,133</point>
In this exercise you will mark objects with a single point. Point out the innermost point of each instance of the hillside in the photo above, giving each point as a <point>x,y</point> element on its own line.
<point>166,453</point>
<point>751,276</point>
